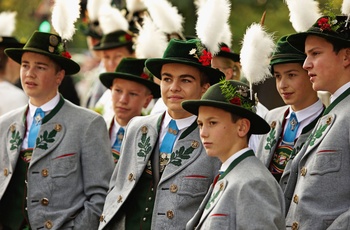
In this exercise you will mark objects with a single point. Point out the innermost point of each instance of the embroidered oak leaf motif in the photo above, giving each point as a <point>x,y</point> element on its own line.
<point>15,141</point>
<point>43,140</point>
<point>271,139</point>
<point>212,199</point>
<point>144,145</point>
<point>179,155</point>
<point>318,134</point>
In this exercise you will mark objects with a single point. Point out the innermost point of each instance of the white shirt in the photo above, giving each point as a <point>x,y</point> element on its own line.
<point>227,163</point>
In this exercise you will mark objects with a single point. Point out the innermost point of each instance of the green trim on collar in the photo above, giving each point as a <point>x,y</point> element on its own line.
<point>54,111</point>
<point>189,130</point>
<point>336,101</point>
<point>310,126</point>
<point>235,162</point>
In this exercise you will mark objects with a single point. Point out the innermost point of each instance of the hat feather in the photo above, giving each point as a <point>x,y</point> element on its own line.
<point>303,13</point>
<point>257,48</point>
<point>211,17</point>
<point>165,16</point>
<point>111,19</point>
<point>226,35</point>
<point>149,35</point>
<point>7,23</point>
<point>135,5</point>
<point>93,8</point>
<point>345,8</point>
<point>64,14</point>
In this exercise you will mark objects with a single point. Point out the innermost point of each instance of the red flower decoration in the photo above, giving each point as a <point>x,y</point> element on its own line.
<point>66,54</point>
<point>323,23</point>
<point>144,76</point>
<point>205,58</point>
<point>225,49</point>
<point>128,37</point>
<point>236,101</point>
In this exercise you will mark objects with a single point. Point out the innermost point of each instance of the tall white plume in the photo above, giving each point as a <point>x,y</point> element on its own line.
<point>303,13</point>
<point>111,19</point>
<point>345,8</point>
<point>226,36</point>
<point>257,48</point>
<point>7,23</point>
<point>151,42</point>
<point>211,18</point>
<point>64,14</point>
<point>93,8</point>
<point>166,17</point>
<point>135,5</point>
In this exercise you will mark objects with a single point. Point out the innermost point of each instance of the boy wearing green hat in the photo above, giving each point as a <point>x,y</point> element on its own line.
<point>303,108</point>
<point>52,151</point>
<point>318,189</point>
<point>226,120</point>
<point>132,89</point>
<point>163,172</point>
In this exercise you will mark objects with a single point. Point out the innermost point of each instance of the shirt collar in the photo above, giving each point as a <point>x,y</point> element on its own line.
<point>339,92</point>
<point>227,163</point>
<point>47,107</point>
<point>180,123</point>
<point>307,112</point>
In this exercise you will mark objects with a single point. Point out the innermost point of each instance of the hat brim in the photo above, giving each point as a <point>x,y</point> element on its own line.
<point>108,46</point>
<point>107,80</point>
<point>70,66</point>
<point>154,65</point>
<point>233,56</point>
<point>258,125</point>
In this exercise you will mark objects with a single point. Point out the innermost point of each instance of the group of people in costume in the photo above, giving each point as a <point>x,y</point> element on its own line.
<point>206,159</point>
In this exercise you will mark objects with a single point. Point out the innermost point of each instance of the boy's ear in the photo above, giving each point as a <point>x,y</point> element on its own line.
<point>347,57</point>
<point>243,127</point>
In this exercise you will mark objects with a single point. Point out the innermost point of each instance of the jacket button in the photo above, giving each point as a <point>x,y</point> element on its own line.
<point>102,218</point>
<point>173,188</point>
<point>296,199</point>
<point>131,177</point>
<point>170,214</point>
<point>45,201</point>
<point>303,171</point>
<point>45,172</point>
<point>48,224</point>
<point>295,225</point>
<point>120,199</point>
<point>144,219</point>
<point>6,172</point>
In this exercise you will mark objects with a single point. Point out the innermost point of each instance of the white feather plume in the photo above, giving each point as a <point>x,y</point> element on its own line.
<point>345,8</point>
<point>226,36</point>
<point>111,19</point>
<point>93,8</point>
<point>135,5</point>
<point>7,23</point>
<point>257,48</point>
<point>64,14</point>
<point>303,13</point>
<point>211,17</point>
<point>151,42</point>
<point>165,16</point>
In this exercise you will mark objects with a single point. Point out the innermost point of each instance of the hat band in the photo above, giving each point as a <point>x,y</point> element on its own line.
<point>288,56</point>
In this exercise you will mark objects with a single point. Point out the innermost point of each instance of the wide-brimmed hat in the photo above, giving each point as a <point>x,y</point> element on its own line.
<point>234,97</point>
<point>190,52</point>
<point>10,42</point>
<point>286,53</point>
<point>114,40</point>
<point>47,44</point>
<point>134,70</point>
<point>328,27</point>
<point>226,52</point>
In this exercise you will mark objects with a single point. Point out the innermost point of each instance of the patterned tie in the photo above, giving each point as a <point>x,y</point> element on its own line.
<point>166,147</point>
<point>119,139</point>
<point>34,129</point>
<point>292,129</point>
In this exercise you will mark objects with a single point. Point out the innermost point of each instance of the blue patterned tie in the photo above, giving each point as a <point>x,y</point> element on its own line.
<point>169,138</point>
<point>34,129</point>
<point>119,139</point>
<point>292,129</point>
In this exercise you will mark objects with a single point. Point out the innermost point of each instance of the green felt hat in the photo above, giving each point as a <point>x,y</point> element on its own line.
<point>234,97</point>
<point>134,70</point>
<point>114,40</point>
<point>47,44</point>
<point>286,53</point>
<point>10,42</point>
<point>328,27</point>
<point>190,52</point>
<point>226,52</point>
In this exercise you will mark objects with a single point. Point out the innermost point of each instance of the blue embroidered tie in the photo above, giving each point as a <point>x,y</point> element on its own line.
<point>169,138</point>
<point>119,139</point>
<point>34,129</point>
<point>292,129</point>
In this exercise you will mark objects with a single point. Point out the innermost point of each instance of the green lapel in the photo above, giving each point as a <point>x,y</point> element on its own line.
<point>235,162</point>
<point>336,101</point>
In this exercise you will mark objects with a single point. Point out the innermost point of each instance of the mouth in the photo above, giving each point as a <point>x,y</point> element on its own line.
<point>312,76</point>
<point>30,84</point>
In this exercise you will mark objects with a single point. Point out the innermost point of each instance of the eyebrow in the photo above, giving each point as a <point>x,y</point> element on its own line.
<point>37,63</point>
<point>181,76</point>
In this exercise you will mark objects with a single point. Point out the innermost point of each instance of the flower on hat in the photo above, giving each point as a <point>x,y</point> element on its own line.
<point>145,76</point>
<point>125,37</point>
<point>60,50</point>
<point>66,54</point>
<point>201,53</point>
<point>225,49</point>
<point>328,23</point>
<point>236,95</point>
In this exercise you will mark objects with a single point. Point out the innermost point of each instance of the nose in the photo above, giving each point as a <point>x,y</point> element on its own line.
<point>307,64</point>
<point>282,83</point>
<point>203,132</point>
<point>175,86</point>
<point>124,98</point>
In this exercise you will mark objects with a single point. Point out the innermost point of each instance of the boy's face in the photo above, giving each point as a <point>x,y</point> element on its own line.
<point>112,57</point>
<point>39,77</point>
<point>129,97</point>
<point>294,86</point>
<point>180,82</point>
<point>324,66</point>
<point>218,133</point>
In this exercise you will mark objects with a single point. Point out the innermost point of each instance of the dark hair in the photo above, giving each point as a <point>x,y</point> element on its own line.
<point>204,78</point>
<point>337,46</point>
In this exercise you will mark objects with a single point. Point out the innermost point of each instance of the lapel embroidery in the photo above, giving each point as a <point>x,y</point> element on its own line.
<point>16,140</point>
<point>318,133</point>
<point>214,196</point>
<point>144,145</point>
<point>43,140</point>
<point>271,139</point>
<point>182,154</point>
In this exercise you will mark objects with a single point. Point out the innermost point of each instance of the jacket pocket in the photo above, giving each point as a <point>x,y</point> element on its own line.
<point>326,161</point>
<point>64,165</point>
<point>194,185</point>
